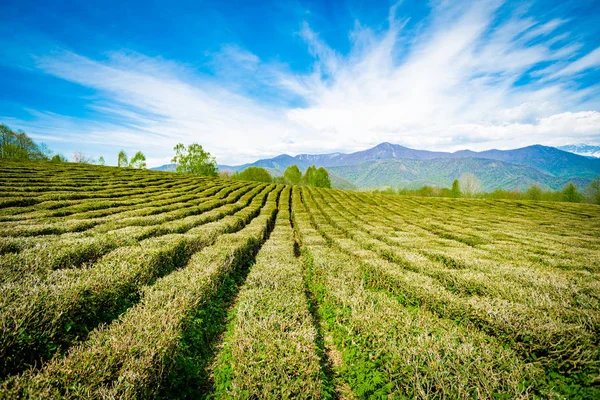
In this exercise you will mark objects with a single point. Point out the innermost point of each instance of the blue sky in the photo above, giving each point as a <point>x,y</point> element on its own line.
<point>253,79</point>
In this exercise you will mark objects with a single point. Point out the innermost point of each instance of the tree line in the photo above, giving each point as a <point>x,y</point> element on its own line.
<point>313,176</point>
<point>19,146</point>
<point>193,159</point>
<point>469,186</point>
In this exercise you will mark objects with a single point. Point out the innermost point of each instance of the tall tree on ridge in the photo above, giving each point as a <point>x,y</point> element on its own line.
<point>122,159</point>
<point>193,159</point>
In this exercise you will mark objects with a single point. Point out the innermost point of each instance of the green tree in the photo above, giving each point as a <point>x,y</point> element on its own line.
<point>293,175</point>
<point>445,192</point>
<point>101,161</point>
<point>425,191</point>
<point>253,174</point>
<point>455,191</point>
<point>316,177</point>
<point>194,160</point>
<point>534,193</point>
<point>593,191</point>
<point>138,161</point>
<point>122,159</point>
<point>19,146</point>
<point>59,158</point>
<point>322,178</point>
<point>309,177</point>
<point>571,194</point>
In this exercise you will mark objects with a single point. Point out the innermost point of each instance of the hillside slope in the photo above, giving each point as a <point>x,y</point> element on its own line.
<point>546,159</point>
<point>122,283</point>
<point>442,171</point>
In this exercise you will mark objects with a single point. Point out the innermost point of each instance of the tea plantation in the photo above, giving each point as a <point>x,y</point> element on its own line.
<point>123,283</point>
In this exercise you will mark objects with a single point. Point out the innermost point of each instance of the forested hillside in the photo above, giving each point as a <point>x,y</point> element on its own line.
<point>397,166</point>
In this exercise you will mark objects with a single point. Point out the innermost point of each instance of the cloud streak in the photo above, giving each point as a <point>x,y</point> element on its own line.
<point>465,81</point>
<point>455,87</point>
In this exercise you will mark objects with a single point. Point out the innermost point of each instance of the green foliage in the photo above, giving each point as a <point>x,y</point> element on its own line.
<point>316,177</point>
<point>59,158</point>
<point>571,194</point>
<point>101,161</point>
<point>125,283</point>
<point>194,160</point>
<point>309,176</point>
<point>19,146</point>
<point>293,175</point>
<point>534,193</point>
<point>392,267</point>
<point>391,191</point>
<point>502,194</point>
<point>150,326</point>
<point>268,335</point>
<point>426,191</point>
<point>138,161</point>
<point>455,191</point>
<point>253,174</point>
<point>322,178</point>
<point>122,159</point>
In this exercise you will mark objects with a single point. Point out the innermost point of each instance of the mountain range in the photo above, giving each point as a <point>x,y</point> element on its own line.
<point>582,150</point>
<point>397,166</point>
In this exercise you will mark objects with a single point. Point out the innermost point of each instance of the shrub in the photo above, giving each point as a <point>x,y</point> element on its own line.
<point>571,194</point>
<point>253,174</point>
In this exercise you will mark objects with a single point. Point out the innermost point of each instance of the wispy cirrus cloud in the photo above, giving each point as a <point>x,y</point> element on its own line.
<point>155,104</point>
<point>456,85</point>
<point>466,79</point>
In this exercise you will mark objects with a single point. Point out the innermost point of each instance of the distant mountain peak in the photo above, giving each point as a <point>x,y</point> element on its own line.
<point>527,165</point>
<point>388,145</point>
<point>582,149</point>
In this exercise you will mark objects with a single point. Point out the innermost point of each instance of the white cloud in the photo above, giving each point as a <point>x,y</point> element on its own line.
<point>453,86</point>
<point>156,104</point>
<point>543,29</point>
<point>590,60</point>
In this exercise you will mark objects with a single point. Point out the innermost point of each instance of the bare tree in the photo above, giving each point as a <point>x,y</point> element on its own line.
<point>80,158</point>
<point>470,185</point>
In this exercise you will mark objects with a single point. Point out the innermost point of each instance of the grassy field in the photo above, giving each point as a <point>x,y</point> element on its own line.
<point>122,283</point>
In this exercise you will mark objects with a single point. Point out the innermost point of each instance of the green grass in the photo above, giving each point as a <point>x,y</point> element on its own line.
<point>122,283</point>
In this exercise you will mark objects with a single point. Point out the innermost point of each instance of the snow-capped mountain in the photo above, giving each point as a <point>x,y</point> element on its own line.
<point>582,149</point>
